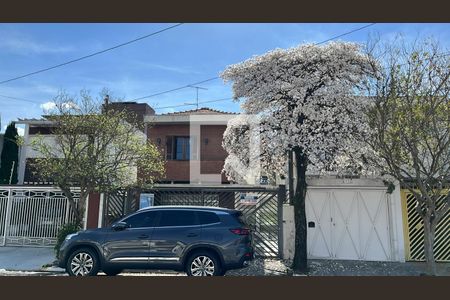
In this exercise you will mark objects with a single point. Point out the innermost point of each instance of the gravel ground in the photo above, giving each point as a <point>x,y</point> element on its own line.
<point>261,267</point>
<point>371,268</point>
<point>274,267</point>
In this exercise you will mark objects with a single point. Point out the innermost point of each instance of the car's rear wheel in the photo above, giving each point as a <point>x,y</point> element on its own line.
<point>112,272</point>
<point>203,263</point>
<point>82,262</point>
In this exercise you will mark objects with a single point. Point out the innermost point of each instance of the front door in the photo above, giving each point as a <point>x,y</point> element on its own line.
<point>131,245</point>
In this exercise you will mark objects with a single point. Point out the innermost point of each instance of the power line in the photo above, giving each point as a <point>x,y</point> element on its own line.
<point>217,77</point>
<point>189,104</point>
<point>171,90</point>
<point>347,33</point>
<point>176,89</point>
<point>20,99</point>
<point>193,104</point>
<point>91,55</point>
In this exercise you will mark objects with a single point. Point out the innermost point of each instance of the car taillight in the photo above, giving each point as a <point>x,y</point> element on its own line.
<point>240,231</point>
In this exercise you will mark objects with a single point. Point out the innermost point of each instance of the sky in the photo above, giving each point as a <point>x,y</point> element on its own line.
<point>177,57</point>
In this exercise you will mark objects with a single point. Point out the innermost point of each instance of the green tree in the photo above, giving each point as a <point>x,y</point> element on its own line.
<point>94,148</point>
<point>9,156</point>
<point>410,128</point>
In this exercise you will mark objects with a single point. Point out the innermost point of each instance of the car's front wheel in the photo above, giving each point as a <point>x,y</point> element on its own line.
<point>82,262</point>
<point>203,263</point>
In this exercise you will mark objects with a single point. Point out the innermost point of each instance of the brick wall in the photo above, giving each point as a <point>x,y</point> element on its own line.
<point>212,153</point>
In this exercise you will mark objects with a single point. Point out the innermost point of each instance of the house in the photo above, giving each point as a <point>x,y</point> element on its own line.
<point>43,128</point>
<point>191,142</point>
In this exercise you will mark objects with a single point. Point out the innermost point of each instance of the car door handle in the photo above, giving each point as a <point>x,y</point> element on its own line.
<point>192,235</point>
<point>143,236</point>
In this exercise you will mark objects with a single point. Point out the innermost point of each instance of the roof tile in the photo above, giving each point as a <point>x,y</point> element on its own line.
<point>199,111</point>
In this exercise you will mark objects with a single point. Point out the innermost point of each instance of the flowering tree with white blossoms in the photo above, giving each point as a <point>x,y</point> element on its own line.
<point>306,101</point>
<point>250,150</point>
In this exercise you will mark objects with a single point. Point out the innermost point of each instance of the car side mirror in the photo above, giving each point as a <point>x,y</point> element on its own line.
<point>120,226</point>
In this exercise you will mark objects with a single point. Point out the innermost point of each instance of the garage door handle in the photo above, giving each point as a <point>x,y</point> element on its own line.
<point>192,235</point>
<point>143,236</point>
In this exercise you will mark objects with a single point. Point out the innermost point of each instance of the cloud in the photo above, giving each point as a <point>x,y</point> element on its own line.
<point>69,105</point>
<point>48,106</point>
<point>175,69</point>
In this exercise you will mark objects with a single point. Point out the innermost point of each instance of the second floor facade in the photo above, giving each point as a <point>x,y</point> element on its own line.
<point>191,143</point>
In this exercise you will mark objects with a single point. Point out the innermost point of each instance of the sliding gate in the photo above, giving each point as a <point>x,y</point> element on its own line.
<point>261,206</point>
<point>32,216</point>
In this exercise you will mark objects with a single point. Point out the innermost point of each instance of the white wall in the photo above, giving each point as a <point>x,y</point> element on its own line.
<point>27,151</point>
<point>353,219</point>
<point>288,232</point>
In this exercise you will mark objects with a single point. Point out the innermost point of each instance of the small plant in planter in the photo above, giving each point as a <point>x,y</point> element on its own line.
<point>63,232</point>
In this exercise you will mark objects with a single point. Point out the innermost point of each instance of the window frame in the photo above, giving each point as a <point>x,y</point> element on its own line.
<point>189,151</point>
<point>185,144</point>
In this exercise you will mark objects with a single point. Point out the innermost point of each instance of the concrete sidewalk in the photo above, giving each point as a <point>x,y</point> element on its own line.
<point>26,258</point>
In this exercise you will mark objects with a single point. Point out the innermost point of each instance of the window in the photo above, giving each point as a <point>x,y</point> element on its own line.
<point>177,218</point>
<point>182,148</point>
<point>208,217</point>
<point>179,147</point>
<point>145,219</point>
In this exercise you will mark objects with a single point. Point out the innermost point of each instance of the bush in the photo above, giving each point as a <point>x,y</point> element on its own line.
<point>64,231</point>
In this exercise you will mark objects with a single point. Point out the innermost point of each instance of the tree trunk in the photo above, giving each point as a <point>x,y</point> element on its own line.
<point>78,210</point>
<point>429,228</point>
<point>300,256</point>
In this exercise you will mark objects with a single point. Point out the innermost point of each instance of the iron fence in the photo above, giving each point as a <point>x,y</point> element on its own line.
<point>32,216</point>
<point>118,204</point>
<point>415,231</point>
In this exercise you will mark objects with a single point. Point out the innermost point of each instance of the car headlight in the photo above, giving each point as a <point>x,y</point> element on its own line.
<point>69,236</point>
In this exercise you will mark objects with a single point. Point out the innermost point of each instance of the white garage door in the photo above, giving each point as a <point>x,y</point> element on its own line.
<point>348,224</point>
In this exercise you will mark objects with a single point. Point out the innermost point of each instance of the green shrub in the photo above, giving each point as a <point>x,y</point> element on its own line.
<point>63,232</point>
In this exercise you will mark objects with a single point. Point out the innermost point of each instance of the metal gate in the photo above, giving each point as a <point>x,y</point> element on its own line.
<point>351,223</point>
<point>414,231</point>
<point>118,204</point>
<point>32,216</point>
<point>261,206</point>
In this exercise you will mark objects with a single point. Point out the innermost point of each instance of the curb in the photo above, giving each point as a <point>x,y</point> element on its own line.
<point>34,271</point>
